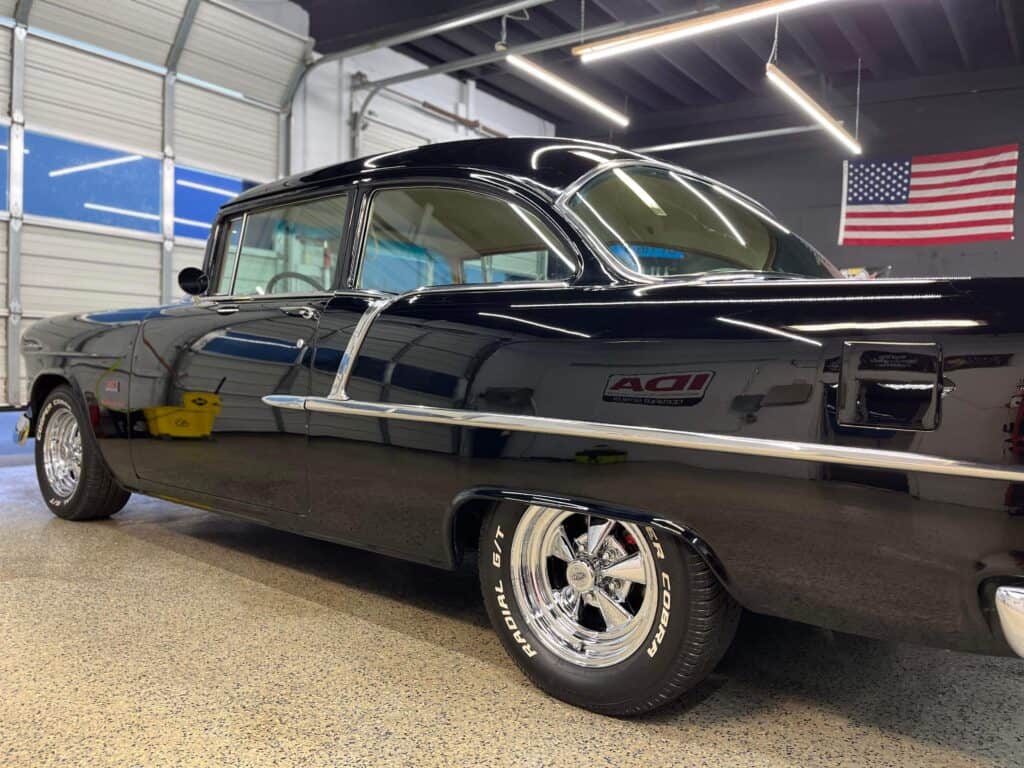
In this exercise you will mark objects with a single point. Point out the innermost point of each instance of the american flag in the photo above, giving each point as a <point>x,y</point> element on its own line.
<point>930,199</point>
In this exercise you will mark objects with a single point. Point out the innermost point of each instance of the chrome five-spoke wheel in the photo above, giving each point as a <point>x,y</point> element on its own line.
<point>62,452</point>
<point>583,582</point>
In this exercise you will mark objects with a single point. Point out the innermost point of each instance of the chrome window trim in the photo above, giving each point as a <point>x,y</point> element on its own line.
<point>666,438</point>
<point>474,187</point>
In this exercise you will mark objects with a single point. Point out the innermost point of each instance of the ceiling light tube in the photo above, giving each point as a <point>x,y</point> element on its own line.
<point>570,90</point>
<point>799,96</point>
<point>681,30</point>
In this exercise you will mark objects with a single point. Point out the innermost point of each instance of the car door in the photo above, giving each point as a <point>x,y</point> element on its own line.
<point>380,484</point>
<point>200,370</point>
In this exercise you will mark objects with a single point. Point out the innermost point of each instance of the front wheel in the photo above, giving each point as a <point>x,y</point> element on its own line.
<point>75,482</point>
<point>602,613</point>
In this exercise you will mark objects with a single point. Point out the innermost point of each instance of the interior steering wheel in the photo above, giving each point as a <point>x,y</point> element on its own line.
<point>297,275</point>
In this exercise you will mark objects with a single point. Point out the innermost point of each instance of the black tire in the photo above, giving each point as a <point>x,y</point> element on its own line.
<point>96,495</point>
<point>681,649</point>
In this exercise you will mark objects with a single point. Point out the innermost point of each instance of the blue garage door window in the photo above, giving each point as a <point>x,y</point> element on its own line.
<point>67,179</point>
<point>5,153</point>
<point>197,197</point>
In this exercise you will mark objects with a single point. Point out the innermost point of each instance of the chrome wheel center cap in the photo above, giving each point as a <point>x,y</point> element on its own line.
<point>580,576</point>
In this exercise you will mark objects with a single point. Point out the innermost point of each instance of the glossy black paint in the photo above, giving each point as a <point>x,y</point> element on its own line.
<point>871,551</point>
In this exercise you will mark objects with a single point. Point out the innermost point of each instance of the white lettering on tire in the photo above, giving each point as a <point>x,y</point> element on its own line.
<point>510,622</point>
<point>666,608</point>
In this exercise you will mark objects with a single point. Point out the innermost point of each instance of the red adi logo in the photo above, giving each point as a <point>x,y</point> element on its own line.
<point>658,388</point>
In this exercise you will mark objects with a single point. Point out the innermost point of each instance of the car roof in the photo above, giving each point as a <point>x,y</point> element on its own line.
<point>551,163</point>
<point>546,164</point>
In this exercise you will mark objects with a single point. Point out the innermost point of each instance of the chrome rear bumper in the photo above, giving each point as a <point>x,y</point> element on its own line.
<point>1010,606</point>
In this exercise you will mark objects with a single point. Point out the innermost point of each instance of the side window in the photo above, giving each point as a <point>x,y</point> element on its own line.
<point>427,236</point>
<point>228,255</point>
<point>291,248</point>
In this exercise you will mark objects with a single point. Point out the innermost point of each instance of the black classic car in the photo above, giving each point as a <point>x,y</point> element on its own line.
<point>641,400</point>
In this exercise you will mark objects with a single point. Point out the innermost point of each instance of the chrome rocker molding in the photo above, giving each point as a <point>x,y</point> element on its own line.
<point>695,441</point>
<point>1010,607</point>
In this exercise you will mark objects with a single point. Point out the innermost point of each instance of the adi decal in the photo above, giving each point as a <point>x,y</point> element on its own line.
<point>658,388</point>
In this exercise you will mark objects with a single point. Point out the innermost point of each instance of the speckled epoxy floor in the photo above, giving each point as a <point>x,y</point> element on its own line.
<point>168,636</point>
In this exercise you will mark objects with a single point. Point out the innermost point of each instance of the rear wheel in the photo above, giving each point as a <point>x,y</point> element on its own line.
<point>602,613</point>
<point>75,482</point>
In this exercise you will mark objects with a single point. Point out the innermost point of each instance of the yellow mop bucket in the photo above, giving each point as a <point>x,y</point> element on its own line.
<point>193,418</point>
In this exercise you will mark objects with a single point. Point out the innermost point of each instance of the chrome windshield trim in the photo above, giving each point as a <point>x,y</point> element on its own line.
<point>668,438</point>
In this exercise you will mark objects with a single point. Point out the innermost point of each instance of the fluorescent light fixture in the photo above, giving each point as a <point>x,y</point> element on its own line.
<point>207,188</point>
<point>894,325</point>
<point>122,211</point>
<point>570,90</point>
<point>94,166</point>
<point>799,96</point>
<point>680,30</point>
<point>636,189</point>
<point>730,138</point>
<point>768,329</point>
<point>710,205</point>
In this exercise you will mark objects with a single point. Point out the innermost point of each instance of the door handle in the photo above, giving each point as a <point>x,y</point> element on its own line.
<point>896,386</point>
<point>306,313</point>
<point>226,309</point>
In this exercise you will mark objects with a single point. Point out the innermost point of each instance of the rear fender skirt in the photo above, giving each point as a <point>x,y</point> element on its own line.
<point>583,505</point>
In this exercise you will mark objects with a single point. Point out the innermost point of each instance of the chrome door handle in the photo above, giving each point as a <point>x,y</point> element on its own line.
<point>227,309</point>
<point>306,313</point>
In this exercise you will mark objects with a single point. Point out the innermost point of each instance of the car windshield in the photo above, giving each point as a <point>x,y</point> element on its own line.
<point>664,223</point>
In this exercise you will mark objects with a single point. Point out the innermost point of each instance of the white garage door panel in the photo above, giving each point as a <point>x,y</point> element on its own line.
<point>219,133</point>
<point>3,265</point>
<point>143,29</point>
<point>92,98</point>
<point>376,138</point>
<point>186,256</point>
<point>234,50</point>
<point>65,271</point>
<point>5,396</point>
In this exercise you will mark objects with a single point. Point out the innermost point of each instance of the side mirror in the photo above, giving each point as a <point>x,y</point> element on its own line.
<point>193,281</point>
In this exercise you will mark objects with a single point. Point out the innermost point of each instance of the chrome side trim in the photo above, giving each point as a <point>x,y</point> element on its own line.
<point>355,343</point>
<point>669,438</point>
<point>1010,607</point>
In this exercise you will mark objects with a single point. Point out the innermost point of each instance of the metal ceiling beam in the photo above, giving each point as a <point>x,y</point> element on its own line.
<point>899,15</point>
<point>682,61</point>
<point>1014,16</point>
<point>860,42</point>
<point>650,81</point>
<point>559,41</point>
<point>958,26</point>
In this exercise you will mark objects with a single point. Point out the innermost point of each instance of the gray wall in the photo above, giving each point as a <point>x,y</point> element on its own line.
<point>800,177</point>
